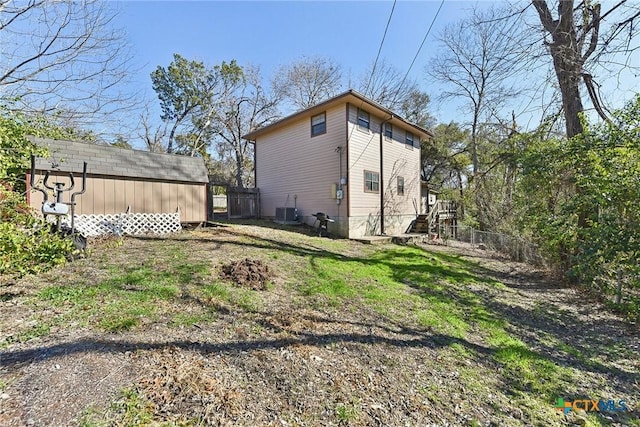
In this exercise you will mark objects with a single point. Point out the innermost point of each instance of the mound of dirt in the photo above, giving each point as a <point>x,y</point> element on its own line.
<point>251,273</point>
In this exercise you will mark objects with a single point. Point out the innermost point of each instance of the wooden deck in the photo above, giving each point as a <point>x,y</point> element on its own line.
<point>443,213</point>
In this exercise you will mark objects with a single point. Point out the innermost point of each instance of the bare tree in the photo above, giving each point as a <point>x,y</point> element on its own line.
<point>415,108</point>
<point>577,41</point>
<point>386,85</point>
<point>207,110</point>
<point>245,106</point>
<point>62,56</point>
<point>477,58</point>
<point>308,81</point>
<point>153,137</point>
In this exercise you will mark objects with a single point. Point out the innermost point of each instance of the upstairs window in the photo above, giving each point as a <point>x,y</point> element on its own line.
<point>371,182</point>
<point>409,139</point>
<point>319,124</point>
<point>400,186</point>
<point>363,119</point>
<point>388,130</point>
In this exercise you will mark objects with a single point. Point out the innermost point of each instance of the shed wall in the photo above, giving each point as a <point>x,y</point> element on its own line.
<point>109,195</point>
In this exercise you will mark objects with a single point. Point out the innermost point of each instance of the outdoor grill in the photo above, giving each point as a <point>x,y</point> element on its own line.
<point>323,221</point>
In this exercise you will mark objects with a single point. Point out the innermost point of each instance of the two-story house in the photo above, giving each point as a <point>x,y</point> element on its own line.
<point>348,157</point>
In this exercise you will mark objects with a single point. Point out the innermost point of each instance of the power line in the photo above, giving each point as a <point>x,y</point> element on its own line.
<point>419,49</point>
<point>366,89</point>
<point>375,63</point>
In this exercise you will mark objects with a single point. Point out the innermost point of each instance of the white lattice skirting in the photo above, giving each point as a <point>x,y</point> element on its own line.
<point>127,223</point>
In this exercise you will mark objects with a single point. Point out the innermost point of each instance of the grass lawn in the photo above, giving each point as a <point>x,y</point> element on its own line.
<point>344,334</point>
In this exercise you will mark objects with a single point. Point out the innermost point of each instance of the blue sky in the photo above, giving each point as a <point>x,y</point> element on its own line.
<point>269,33</point>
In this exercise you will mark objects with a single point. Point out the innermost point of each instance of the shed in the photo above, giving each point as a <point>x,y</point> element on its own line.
<point>119,179</point>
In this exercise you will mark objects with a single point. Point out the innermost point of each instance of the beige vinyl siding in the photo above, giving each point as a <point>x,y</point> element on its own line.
<point>108,195</point>
<point>364,154</point>
<point>404,161</point>
<point>399,160</point>
<point>294,168</point>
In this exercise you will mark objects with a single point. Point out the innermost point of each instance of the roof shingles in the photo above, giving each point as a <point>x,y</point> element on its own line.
<point>115,161</point>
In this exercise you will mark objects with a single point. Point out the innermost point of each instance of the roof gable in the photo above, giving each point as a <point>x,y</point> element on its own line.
<point>350,96</point>
<point>115,161</point>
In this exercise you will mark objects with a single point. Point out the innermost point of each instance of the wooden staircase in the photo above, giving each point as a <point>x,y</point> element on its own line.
<point>420,225</point>
<point>429,223</point>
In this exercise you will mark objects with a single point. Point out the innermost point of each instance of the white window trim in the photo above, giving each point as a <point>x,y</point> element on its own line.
<point>324,115</point>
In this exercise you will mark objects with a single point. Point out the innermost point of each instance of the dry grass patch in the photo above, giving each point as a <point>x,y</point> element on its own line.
<point>344,333</point>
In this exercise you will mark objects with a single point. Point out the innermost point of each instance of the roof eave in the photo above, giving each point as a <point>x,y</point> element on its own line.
<point>338,99</point>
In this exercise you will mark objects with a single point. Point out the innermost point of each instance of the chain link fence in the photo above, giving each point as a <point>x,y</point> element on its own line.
<point>516,248</point>
<point>612,283</point>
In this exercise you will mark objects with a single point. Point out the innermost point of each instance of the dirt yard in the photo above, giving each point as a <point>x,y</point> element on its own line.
<point>272,351</point>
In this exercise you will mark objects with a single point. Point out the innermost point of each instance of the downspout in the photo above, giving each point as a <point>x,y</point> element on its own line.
<point>255,166</point>
<point>346,146</point>
<point>382,175</point>
<point>255,180</point>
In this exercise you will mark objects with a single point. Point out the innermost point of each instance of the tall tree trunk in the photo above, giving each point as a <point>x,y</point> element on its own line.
<point>461,192</point>
<point>568,60</point>
<point>568,69</point>
<point>474,142</point>
<point>239,169</point>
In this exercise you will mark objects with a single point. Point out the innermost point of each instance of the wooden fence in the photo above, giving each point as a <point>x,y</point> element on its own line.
<point>243,202</point>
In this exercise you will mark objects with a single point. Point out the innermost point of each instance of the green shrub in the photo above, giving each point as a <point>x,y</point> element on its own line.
<point>24,250</point>
<point>580,202</point>
<point>26,243</point>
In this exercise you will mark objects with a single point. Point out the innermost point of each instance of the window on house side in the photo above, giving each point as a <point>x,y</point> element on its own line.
<point>371,182</point>
<point>388,130</point>
<point>400,186</point>
<point>318,124</point>
<point>363,119</point>
<point>409,139</point>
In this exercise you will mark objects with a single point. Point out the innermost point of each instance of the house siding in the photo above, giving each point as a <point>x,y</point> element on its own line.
<point>295,169</point>
<point>399,160</point>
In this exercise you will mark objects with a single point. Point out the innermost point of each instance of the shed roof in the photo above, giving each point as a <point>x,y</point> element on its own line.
<point>121,162</point>
<point>351,96</point>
